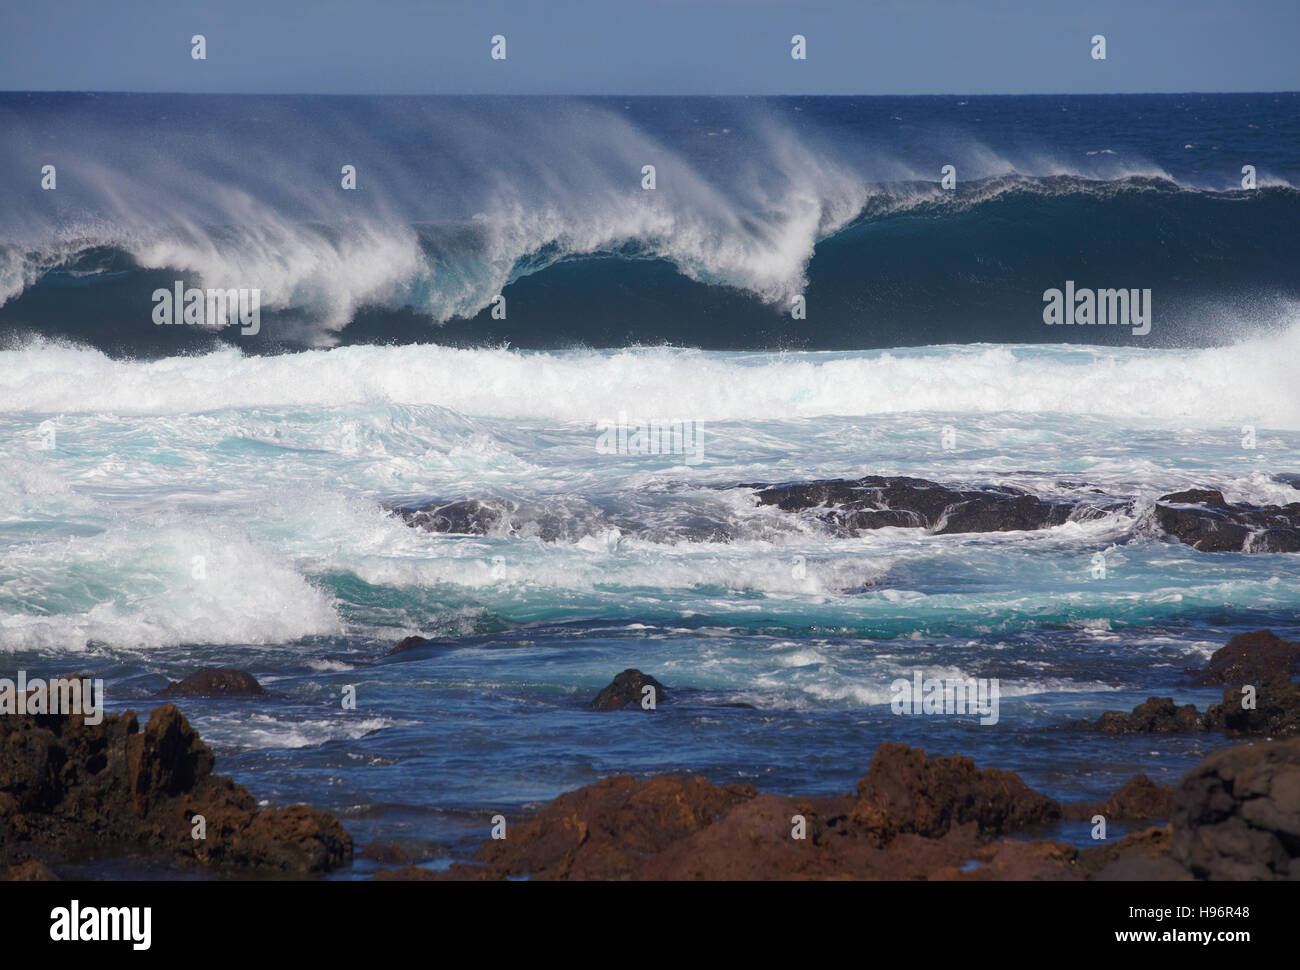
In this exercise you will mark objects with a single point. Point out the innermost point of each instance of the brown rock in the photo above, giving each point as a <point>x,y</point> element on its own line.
<point>70,790</point>
<point>30,871</point>
<point>903,792</point>
<point>1155,715</point>
<point>605,830</point>
<point>208,681</point>
<point>1249,658</point>
<point>1275,714</point>
<point>416,874</point>
<point>1149,845</point>
<point>1139,797</point>
<point>384,853</point>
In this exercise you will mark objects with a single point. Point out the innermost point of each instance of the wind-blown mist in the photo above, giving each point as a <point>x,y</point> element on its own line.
<point>755,202</point>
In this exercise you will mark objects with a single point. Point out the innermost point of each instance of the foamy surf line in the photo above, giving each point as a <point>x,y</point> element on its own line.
<point>1252,381</point>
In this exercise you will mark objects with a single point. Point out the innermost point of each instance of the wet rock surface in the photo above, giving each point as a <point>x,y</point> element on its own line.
<point>71,791</point>
<point>1234,816</point>
<point>468,517</point>
<point>873,502</point>
<point>1276,713</point>
<point>1249,658</point>
<point>214,681</point>
<point>912,817</point>
<point>562,520</point>
<point>1261,701</point>
<point>628,690</point>
<point>1204,520</point>
<point>1155,715</point>
<point>1201,518</point>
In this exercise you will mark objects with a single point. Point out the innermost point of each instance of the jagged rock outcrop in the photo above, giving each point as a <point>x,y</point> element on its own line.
<point>904,792</point>
<point>71,790</point>
<point>1204,520</point>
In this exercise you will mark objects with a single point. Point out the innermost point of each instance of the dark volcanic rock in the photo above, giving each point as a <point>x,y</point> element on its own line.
<point>1276,711</point>
<point>1155,715</point>
<point>1276,714</point>
<point>873,502</point>
<point>214,681</point>
<point>1249,658</point>
<point>468,517</point>
<point>1237,814</point>
<point>627,689</point>
<point>903,792</point>
<point>1202,519</point>
<point>411,643</point>
<point>565,518</point>
<point>71,790</point>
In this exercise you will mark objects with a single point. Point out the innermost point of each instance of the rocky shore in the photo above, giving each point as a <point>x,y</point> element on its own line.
<point>1234,816</point>
<point>73,792</point>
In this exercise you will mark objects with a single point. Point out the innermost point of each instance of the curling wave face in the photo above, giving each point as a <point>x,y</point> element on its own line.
<point>541,200</point>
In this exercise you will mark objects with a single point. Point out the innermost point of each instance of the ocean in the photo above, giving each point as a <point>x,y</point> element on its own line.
<point>500,286</point>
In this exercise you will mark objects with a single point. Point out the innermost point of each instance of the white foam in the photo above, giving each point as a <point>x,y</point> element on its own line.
<point>139,585</point>
<point>1252,381</point>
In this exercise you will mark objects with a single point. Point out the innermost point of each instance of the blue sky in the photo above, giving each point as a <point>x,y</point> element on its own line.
<point>651,47</point>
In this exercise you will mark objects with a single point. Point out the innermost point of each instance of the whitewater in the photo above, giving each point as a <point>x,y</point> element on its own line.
<point>1250,381</point>
<point>172,497</point>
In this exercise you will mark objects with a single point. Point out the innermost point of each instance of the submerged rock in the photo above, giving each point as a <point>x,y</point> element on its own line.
<point>214,681</point>
<point>72,790</point>
<point>564,519</point>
